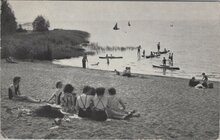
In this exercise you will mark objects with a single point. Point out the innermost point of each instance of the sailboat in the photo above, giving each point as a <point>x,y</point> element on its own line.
<point>129,24</point>
<point>116,27</point>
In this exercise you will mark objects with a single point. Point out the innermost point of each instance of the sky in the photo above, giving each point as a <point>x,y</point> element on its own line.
<point>56,11</point>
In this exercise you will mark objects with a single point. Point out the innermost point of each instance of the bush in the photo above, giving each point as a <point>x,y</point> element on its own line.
<point>40,24</point>
<point>44,45</point>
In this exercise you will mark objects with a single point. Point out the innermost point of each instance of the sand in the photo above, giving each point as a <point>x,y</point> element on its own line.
<point>169,108</point>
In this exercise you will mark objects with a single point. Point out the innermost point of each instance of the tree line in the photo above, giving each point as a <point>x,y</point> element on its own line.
<point>9,24</point>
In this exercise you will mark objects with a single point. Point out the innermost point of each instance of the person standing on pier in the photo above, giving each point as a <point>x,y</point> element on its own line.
<point>84,60</point>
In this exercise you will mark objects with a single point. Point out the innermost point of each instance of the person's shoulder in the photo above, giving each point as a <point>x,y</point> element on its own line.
<point>79,96</point>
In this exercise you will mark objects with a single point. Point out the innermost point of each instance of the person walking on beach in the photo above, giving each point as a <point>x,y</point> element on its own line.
<point>14,92</point>
<point>158,46</point>
<point>84,60</point>
<point>164,61</point>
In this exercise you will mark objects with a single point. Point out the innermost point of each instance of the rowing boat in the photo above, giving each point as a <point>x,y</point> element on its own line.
<point>111,57</point>
<point>162,52</point>
<point>166,67</point>
<point>152,56</point>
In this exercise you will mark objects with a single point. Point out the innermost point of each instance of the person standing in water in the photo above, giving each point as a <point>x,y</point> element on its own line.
<point>143,53</point>
<point>158,46</point>
<point>139,50</point>
<point>151,53</point>
<point>164,61</point>
<point>107,59</point>
<point>171,57</point>
<point>84,60</point>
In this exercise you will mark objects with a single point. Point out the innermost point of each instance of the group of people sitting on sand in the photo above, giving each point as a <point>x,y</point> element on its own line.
<point>203,84</point>
<point>93,103</point>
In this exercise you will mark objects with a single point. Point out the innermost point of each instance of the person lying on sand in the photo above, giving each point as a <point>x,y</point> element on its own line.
<point>113,107</point>
<point>100,104</point>
<point>84,102</point>
<point>14,92</point>
<point>68,101</point>
<point>56,97</point>
<point>126,72</point>
<point>10,60</point>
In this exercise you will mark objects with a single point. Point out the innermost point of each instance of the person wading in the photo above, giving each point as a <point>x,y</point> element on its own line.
<point>158,46</point>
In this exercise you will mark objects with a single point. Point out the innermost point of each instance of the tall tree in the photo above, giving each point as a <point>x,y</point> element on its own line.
<point>41,24</point>
<point>8,20</point>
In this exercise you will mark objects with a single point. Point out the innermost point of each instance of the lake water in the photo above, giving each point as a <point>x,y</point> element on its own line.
<point>194,38</point>
<point>195,45</point>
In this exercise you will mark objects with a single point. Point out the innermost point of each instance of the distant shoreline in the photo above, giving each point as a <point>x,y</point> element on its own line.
<point>137,75</point>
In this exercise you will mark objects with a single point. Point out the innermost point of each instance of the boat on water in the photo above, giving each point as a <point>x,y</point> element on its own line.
<point>116,27</point>
<point>152,56</point>
<point>162,52</point>
<point>129,24</point>
<point>166,67</point>
<point>111,57</point>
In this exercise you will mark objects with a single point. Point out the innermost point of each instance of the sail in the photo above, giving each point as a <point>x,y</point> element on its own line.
<point>116,27</point>
<point>129,24</point>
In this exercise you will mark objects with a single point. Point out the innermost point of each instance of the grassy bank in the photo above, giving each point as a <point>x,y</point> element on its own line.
<point>55,44</point>
<point>169,108</point>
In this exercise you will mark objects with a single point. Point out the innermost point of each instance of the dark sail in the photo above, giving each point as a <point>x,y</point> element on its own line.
<point>129,24</point>
<point>116,27</point>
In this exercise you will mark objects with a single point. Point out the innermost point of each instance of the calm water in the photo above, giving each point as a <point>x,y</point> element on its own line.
<point>195,45</point>
<point>194,37</point>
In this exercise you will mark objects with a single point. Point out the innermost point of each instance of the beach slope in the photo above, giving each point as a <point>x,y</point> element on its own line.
<point>169,108</point>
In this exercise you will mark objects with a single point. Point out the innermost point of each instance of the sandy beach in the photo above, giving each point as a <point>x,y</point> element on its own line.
<point>169,108</point>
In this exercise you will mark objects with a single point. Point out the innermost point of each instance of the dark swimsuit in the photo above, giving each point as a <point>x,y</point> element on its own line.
<point>10,93</point>
<point>84,112</point>
<point>99,114</point>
